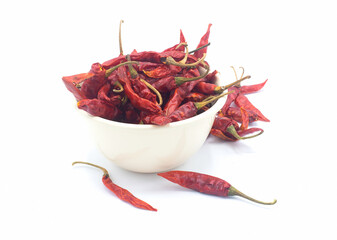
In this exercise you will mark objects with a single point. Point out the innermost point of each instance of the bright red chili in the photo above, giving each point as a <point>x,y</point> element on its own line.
<point>206,184</point>
<point>120,192</point>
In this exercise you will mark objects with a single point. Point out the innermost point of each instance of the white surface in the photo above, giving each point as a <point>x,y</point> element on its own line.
<point>292,43</point>
<point>150,148</point>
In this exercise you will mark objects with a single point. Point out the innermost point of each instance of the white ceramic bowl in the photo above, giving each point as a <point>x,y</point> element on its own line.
<point>149,148</point>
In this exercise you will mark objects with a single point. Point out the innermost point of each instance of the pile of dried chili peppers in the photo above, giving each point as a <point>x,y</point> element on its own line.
<point>161,87</point>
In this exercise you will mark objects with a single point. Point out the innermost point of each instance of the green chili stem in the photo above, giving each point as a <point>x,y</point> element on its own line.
<point>236,82</point>
<point>231,130</point>
<point>181,80</point>
<point>120,38</point>
<point>110,70</point>
<point>200,105</point>
<point>232,191</point>
<point>132,70</point>
<point>206,45</point>
<point>94,165</point>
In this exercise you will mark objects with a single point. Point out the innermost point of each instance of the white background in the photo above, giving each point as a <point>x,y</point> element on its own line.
<point>291,43</point>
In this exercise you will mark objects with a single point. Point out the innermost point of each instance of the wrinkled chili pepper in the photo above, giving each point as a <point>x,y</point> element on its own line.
<point>207,184</point>
<point>190,109</point>
<point>105,94</point>
<point>228,129</point>
<point>99,108</point>
<point>130,114</point>
<point>243,102</point>
<point>236,114</point>
<point>156,119</point>
<point>120,192</point>
<point>138,102</point>
<point>195,97</point>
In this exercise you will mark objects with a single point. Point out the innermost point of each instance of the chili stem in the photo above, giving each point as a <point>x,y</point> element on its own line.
<point>231,130</point>
<point>181,80</point>
<point>110,70</point>
<point>200,105</point>
<point>183,61</point>
<point>132,70</point>
<point>170,60</point>
<point>120,38</point>
<point>235,83</point>
<point>234,192</point>
<point>197,49</point>
<point>94,165</point>
<point>243,71</point>
<point>154,90</point>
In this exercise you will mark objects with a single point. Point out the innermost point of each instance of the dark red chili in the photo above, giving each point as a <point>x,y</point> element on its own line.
<point>120,192</point>
<point>106,95</point>
<point>138,102</point>
<point>206,184</point>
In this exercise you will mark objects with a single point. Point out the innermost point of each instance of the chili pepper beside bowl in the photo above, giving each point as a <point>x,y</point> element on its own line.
<point>149,148</point>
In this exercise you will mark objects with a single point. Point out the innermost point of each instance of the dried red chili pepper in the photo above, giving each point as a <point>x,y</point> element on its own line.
<point>228,129</point>
<point>236,114</point>
<point>195,97</point>
<point>138,102</point>
<point>203,41</point>
<point>131,115</point>
<point>177,47</point>
<point>156,119</point>
<point>190,109</point>
<point>181,91</point>
<point>242,102</point>
<point>207,184</point>
<point>120,192</point>
<point>73,84</point>
<point>99,108</point>
<point>162,71</point>
<point>105,94</point>
<point>246,89</point>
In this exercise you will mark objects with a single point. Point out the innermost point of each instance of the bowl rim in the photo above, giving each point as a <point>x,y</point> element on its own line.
<point>212,110</point>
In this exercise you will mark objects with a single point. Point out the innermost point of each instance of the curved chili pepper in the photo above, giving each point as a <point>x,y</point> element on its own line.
<point>120,192</point>
<point>207,184</point>
<point>99,108</point>
<point>162,71</point>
